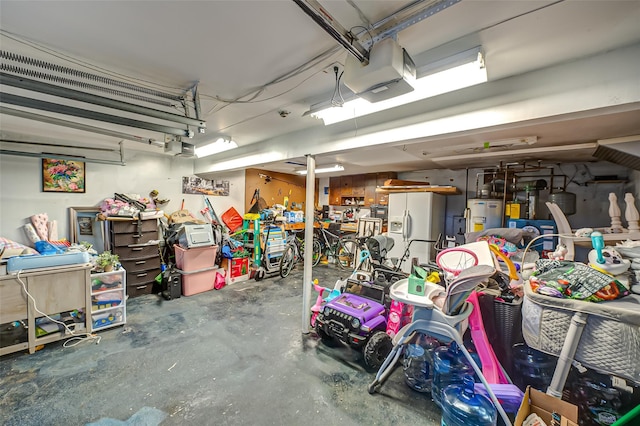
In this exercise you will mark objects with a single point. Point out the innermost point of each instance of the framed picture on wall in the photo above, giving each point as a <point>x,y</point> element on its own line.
<point>63,175</point>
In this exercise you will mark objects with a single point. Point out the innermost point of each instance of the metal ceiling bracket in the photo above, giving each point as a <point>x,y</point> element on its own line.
<point>63,92</point>
<point>92,115</point>
<point>408,16</point>
<point>196,104</point>
<point>335,30</point>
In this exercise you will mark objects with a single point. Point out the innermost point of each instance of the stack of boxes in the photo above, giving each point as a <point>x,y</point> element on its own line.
<point>196,259</point>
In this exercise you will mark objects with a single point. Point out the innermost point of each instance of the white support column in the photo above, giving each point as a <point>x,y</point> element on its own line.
<point>309,215</point>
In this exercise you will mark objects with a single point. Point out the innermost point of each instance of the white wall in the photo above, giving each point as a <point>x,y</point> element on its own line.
<point>592,199</point>
<point>21,193</point>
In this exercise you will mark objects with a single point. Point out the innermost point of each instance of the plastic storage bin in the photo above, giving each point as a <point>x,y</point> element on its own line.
<point>198,282</point>
<point>196,258</point>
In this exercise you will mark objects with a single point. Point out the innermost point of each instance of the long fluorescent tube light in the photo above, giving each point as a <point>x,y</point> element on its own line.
<point>453,147</point>
<point>442,81</point>
<point>550,150</point>
<point>220,145</point>
<point>328,169</point>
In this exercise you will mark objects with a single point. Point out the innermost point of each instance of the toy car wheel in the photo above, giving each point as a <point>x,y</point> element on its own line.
<point>377,349</point>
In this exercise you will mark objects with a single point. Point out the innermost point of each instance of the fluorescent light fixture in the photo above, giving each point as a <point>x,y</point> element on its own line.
<point>435,79</point>
<point>453,147</point>
<point>323,169</point>
<point>546,151</point>
<point>219,145</point>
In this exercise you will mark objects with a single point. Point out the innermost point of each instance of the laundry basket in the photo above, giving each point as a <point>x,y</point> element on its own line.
<point>610,341</point>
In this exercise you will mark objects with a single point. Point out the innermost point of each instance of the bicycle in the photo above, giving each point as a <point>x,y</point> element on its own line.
<point>293,252</point>
<point>326,243</point>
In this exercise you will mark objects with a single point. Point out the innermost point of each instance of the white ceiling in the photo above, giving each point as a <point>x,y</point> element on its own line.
<point>231,48</point>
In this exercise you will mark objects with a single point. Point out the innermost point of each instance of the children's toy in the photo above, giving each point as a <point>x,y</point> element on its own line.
<point>491,367</point>
<point>559,253</point>
<point>606,259</point>
<point>358,318</point>
<point>324,295</point>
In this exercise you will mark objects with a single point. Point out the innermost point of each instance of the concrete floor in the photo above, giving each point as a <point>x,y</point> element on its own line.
<point>230,357</point>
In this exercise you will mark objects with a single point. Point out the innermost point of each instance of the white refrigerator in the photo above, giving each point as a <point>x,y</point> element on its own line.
<point>415,215</point>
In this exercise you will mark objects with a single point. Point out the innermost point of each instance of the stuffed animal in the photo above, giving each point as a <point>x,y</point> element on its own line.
<point>559,253</point>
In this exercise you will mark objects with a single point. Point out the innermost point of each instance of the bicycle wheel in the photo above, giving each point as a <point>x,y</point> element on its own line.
<point>346,254</point>
<point>287,260</point>
<point>317,252</point>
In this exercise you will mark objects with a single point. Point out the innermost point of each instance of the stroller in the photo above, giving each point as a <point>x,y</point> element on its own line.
<point>389,270</point>
<point>383,270</point>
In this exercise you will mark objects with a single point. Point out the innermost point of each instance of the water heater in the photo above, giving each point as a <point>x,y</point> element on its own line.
<point>484,214</point>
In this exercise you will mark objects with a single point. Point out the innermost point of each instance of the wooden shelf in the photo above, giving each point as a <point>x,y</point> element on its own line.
<point>444,190</point>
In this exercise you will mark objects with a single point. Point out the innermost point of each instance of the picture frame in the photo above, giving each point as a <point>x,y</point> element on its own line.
<point>200,186</point>
<point>63,176</point>
<point>84,226</point>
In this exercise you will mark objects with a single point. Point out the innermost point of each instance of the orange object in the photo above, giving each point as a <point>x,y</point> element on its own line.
<point>232,219</point>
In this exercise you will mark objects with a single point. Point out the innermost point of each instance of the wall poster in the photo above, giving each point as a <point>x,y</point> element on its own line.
<point>196,185</point>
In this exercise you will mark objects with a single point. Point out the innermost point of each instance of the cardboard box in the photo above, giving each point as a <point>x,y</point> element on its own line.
<point>237,269</point>
<point>544,405</point>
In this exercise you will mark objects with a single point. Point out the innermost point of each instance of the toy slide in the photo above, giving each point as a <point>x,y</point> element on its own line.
<point>491,367</point>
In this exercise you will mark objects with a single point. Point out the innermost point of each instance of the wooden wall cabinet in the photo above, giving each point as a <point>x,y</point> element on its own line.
<point>357,185</point>
<point>383,199</point>
<point>335,191</point>
<point>360,188</point>
<point>346,186</point>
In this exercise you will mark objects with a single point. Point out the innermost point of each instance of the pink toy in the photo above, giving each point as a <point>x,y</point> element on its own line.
<point>491,368</point>
<point>324,295</point>
<point>399,316</point>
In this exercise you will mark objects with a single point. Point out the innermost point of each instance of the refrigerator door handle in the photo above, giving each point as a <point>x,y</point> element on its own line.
<point>406,225</point>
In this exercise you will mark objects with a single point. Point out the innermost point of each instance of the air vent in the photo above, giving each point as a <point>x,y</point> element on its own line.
<point>622,151</point>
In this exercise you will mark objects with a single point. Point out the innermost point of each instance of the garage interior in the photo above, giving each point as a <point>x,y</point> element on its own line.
<point>135,89</point>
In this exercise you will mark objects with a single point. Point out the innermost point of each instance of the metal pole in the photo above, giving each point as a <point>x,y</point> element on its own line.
<point>309,214</point>
<point>578,321</point>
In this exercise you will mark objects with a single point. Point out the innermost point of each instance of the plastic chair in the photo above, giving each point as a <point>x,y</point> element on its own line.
<point>563,229</point>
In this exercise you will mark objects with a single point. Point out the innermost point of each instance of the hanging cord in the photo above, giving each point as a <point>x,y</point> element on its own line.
<point>78,337</point>
<point>336,99</point>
